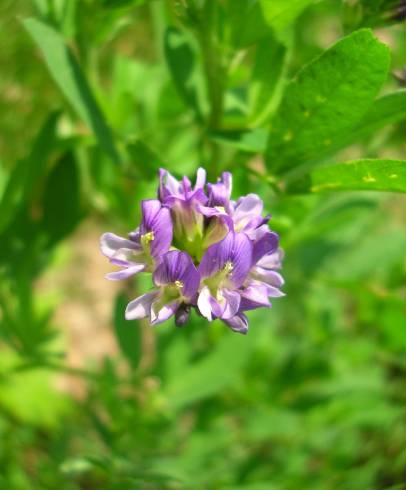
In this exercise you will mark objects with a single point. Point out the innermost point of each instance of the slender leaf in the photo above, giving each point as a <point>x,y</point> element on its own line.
<point>265,86</point>
<point>279,14</point>
<point>181,61</point>
<point>61,200</point>
<point>23,178</point>
<point>374,175</point>
<point>248,24</point>
<point>67,73</point>
<point>326,100</point>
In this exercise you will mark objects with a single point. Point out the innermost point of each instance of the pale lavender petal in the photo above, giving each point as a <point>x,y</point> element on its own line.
<point>274,292</point>
<point>200,178</point>
<point>272,261</point>
<point>238,323</point>
<point>161,313</point>
<point>265,245</point>
<point>254,296</point>
<point>141,306</point>
<point>125,256</point>
<point>248,208</point>
<point>125,273</point>
<point>203,303</point>
<point>110,243</point>
<point>232,303</point>
<point>270,277</point>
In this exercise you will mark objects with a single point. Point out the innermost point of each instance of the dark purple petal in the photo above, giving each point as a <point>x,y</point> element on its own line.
<point>265,245</point>
<point>110,243</point>
<point>178,266</point>
<point>238,323</point>
<point>236,249</point>
<point>182,315</point>
<point>141,306</point>
<point>149,208</point>
<point>220,193</point>
<point>163,232</point>
<point>241,259</point>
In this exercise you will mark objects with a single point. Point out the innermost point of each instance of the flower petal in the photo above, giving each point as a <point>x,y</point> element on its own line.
<point>203,303</point>
<point>248,208</point>
<point>235,248</point>
<point>163,231</point>
<point>200,178</point>
<point>125,273</point>
<point>272,261</point>
<point>238,323</point>
<point>140,307</point>
<point>265,245</point>
<point>149,208</point>
<point>254,296</point>
<point>110,243</point>
<point>160,313</point>
<point>232,303</point>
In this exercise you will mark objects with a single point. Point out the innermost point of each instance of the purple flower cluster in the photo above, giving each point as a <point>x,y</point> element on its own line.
<point>204,251</point>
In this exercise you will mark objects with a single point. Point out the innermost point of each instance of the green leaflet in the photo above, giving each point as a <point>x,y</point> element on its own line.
<point>374,175</point>
<point>67,73</point>
<point>181,62</point>
<point>279,14</point>
<point>324,102</point>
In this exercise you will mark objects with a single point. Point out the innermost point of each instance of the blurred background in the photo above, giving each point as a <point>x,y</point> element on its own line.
<point>96,95</point>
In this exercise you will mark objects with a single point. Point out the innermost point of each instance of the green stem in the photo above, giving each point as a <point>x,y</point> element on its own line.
<point>215,78</point>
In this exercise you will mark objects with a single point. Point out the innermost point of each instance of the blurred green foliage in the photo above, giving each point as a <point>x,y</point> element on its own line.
<point>298,100</point>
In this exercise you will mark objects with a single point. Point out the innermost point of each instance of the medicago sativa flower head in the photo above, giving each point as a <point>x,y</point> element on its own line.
<point>203,250</point>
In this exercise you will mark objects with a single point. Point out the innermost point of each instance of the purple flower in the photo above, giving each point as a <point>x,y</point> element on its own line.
<point>177,281</point>
<point>144,247</point>
<point>223,269</point>
<point>184,202</point>
<point>204,251</point>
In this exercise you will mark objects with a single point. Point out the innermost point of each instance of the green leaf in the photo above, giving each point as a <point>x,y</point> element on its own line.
<point>61,200</point>
<point>181,61</point>
<point>128,334</point>
<point>370,175</point>
<point>248,24</point>
<point>389,109</point>
<point>279,14</point>
<point>67,73</point>
<point>265,86</point>
<point>24,176</point>
<point>249,141</point>
<point>326,100</point>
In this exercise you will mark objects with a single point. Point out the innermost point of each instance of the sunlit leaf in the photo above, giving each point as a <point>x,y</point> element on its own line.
<point>326,100</point>
<point>71,80</point>
<point>373,175</point>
